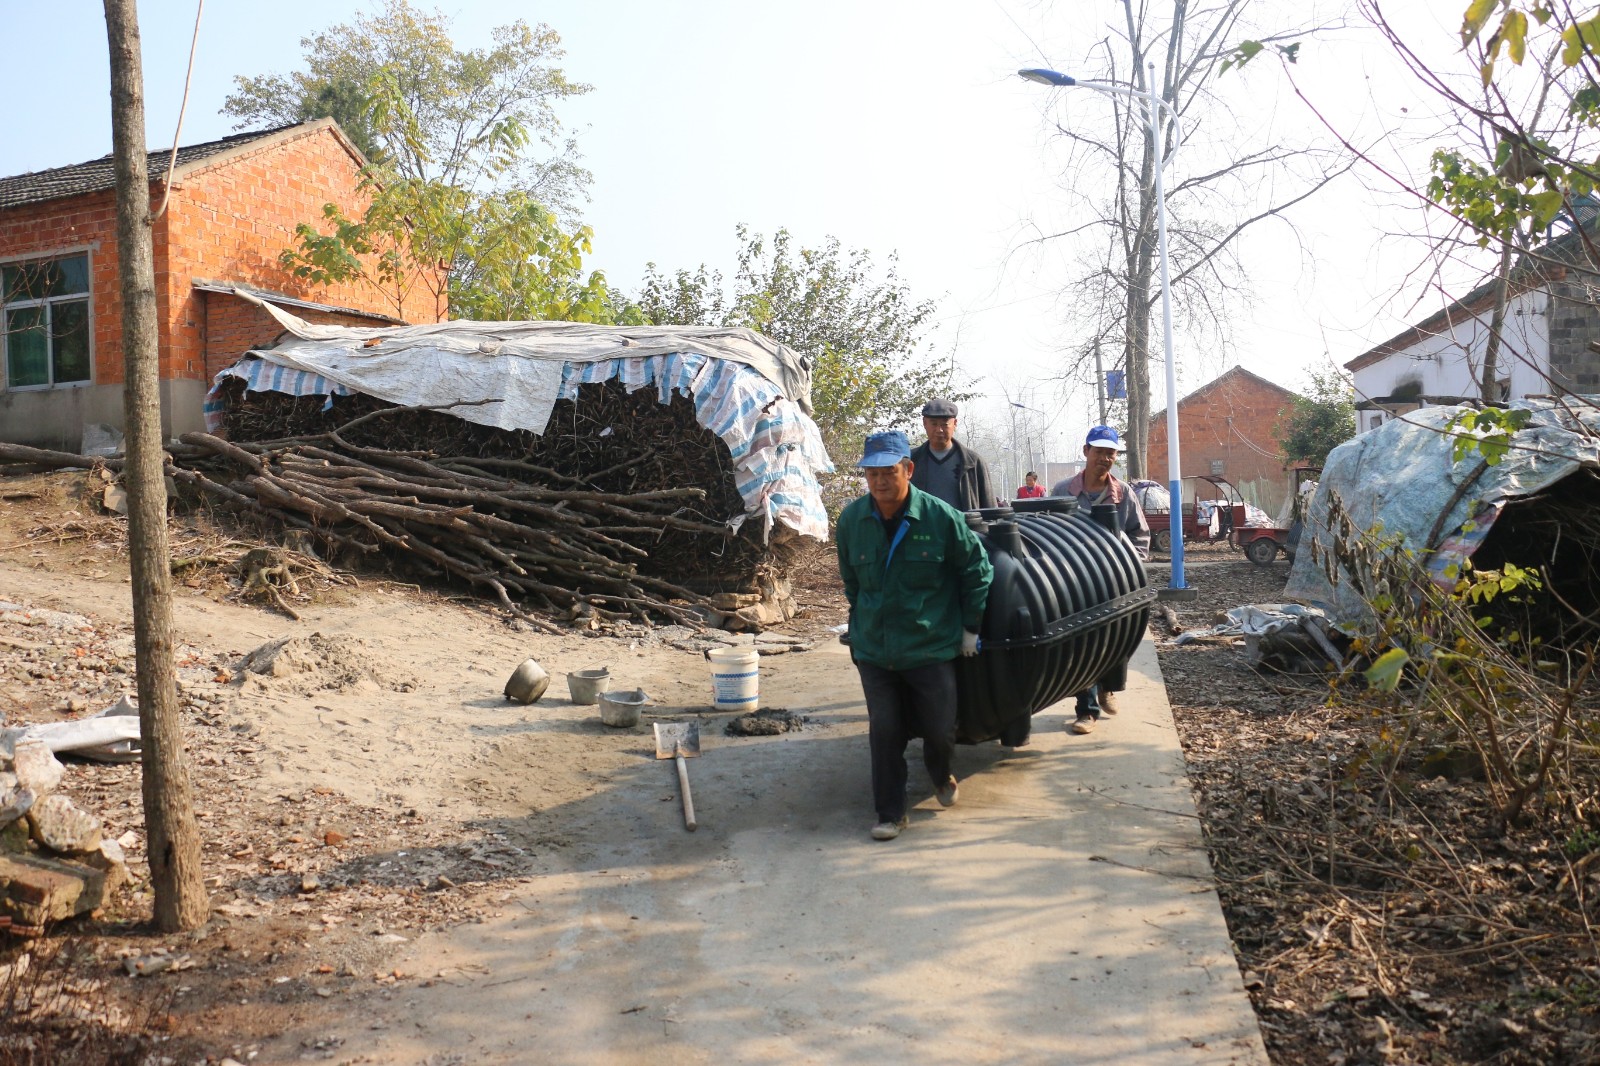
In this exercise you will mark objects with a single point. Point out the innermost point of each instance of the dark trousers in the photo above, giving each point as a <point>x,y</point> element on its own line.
<point>901,704</point>
<point>1089,702</point>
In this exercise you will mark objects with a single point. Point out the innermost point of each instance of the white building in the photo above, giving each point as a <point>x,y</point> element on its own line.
<point>1440,360</point>
<point>1547,343</point>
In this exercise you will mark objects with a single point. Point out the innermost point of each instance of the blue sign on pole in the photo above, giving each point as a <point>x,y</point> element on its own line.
<point>1116,385</point>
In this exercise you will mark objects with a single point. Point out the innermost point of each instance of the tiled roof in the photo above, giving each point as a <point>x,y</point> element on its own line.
<point>1237,373</point>
<point>99,174</point>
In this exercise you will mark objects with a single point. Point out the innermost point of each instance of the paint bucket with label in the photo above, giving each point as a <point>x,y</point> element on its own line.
<point>735,679</point>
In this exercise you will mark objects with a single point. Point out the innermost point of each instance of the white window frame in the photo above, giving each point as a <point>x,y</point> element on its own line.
<point>86,297</point>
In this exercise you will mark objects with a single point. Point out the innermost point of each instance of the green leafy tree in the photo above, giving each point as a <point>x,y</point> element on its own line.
<point>1321,421</point>
<point>348,104</point>
<point>512,257</point>
<point>1530,153</point>
<point>857,323</point>
<point>454,105</point>
<point>684,298</point>
<point>457,206</point>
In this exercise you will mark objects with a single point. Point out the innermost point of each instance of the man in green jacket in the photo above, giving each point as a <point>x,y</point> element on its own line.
<point>917,580</point>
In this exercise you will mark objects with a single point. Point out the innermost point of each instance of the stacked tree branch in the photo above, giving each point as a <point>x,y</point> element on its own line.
<point>619,510</point>
<point>606,440</point>
<point>556,549</point>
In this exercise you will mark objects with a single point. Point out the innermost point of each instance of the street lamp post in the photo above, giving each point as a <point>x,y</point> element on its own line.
<point>1024,459</point>
<point>1176,588</point>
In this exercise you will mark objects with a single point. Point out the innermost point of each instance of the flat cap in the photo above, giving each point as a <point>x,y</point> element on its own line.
<point>939,407</point>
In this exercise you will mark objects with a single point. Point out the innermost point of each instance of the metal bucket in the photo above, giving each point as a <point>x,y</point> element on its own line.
<point>585,686</point>
<point>621,710</point>
<point>527,683</point>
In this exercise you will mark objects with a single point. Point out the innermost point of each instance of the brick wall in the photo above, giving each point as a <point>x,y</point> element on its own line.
<point>1233,422</point>
<point>234,326</point>
<point>230,221</point>
<point>86,223</point>
<point>226,222</point>
<point>1574,324</point>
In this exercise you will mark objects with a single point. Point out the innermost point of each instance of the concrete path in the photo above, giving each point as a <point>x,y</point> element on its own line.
<point>1062,912</point>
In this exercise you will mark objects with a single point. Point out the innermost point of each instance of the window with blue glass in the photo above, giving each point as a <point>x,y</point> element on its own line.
<point>46,317</point>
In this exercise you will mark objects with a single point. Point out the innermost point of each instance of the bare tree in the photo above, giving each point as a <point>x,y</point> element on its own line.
<point>1229,179</point>
<point>174,840</point>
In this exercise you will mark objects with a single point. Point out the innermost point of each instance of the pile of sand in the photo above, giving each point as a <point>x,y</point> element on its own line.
<point>319,663</point>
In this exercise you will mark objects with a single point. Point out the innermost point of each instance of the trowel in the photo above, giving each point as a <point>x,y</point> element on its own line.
<point>680,741</point>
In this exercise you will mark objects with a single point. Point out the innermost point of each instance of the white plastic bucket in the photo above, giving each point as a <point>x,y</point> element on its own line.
<point>735,679</point>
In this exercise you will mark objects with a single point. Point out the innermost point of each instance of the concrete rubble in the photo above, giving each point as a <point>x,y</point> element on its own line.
<point>54,861</point>
<point>36,767</point>
<point>61,826</point>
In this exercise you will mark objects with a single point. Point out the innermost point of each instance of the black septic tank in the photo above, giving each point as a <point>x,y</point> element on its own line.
<point>1068,606</point>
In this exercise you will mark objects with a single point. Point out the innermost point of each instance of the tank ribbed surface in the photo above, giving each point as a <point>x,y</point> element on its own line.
<point>1068,606</point>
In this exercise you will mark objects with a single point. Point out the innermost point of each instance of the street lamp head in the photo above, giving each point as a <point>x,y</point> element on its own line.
<point>1046,77</point>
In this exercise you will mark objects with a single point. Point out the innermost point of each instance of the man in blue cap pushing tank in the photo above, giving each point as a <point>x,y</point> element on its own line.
<point>917,579</point>
<point>1097,484</point>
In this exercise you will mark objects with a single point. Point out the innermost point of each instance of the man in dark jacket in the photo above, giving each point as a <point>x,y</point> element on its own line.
<point>944,467</point>
<point>917,580</point>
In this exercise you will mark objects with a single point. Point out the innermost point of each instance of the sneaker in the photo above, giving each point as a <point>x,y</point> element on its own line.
<point>889,830</point>
<point>1083,725</point>
<point>1108,703</point>
<point>947,793</point>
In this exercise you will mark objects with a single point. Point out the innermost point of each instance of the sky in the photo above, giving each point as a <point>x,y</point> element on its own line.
<point>897,126</point>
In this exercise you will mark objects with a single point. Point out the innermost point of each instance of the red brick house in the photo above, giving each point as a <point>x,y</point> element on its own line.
<point>1230,427</point>
<point>233,209</point>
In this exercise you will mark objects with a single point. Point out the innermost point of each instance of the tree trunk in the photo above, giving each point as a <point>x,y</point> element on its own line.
<point>1136,357</point>
<point>173,839</point>
<point>1489,391</point>
<point>1220,204</point>
<point>1138,308</point>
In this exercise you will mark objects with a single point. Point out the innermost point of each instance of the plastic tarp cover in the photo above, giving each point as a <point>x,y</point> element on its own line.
<point>1255,517</point>
<point>1257,619</point>
<point>1398,478</point>
<point>517,364</point>
<point>1153,497</point>
<point>735,378</point>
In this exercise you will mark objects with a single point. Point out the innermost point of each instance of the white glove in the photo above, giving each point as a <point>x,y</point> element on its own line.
<point>969,643</point>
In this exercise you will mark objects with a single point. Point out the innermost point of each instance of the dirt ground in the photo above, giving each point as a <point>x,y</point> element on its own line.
<point>352,799</point>
<point>1372,927</point>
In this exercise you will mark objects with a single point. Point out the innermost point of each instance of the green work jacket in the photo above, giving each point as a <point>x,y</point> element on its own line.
<point>908,609</point>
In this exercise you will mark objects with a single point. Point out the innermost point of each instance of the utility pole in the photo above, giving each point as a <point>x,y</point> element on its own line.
<point>1017,456</point>
<point>1016,477</point>
<point>173,839</point>
<point>1100,382</point>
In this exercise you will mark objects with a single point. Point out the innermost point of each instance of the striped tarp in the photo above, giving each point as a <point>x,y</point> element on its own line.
<point>777,449</point>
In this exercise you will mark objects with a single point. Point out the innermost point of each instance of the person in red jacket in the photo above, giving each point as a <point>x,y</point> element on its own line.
<point>1032,490</point>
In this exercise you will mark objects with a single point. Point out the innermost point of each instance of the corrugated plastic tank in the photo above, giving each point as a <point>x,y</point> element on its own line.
<point>1068,606</point>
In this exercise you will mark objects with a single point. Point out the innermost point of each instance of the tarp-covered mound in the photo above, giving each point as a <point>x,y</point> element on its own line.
<point>751,392</point>
<point>1538,506</point>
<point>589,469</point>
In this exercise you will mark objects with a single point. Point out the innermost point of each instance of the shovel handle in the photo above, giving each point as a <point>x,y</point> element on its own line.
<point>688,800</point>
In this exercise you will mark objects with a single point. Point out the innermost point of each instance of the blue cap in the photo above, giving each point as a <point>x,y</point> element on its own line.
<point>885,449</point>
<point>1104,437</point>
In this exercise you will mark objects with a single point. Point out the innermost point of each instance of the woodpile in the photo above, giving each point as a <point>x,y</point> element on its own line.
<point>618,511</point>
